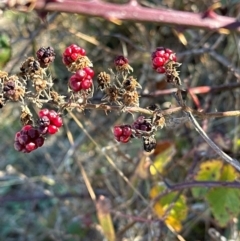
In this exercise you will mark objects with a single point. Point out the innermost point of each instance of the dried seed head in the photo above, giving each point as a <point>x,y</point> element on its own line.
<point>171,73</point>
<point>103,80</point>
<point>130,84</point>
<point>26,116</point>
<point>131,98</point>
<point>56,98</point>
<point>18,94</point>
<point>3,75</point>
<point>112,94</point>
<point>80,63</point>
<point>40,84</point>
<point>31,67</point>
<point>158,120</point>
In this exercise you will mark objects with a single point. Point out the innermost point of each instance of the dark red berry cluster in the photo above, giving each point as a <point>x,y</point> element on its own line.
<point>122,133</point>
<point>121,64</point>
<point>82,79</point>
<point>141,124</point>
<point>72,53</point>
<point>141,128</point>
<point>28,139</point>
<point>49,121</point>
<point>160,57</point>
<point>120,60</point>
<point>45,56</point>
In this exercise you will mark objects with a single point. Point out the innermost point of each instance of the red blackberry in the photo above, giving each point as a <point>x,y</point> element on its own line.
<point>72,53</point>
<point>81,80</point>
<point>160,57</point>
<point>120,60</point>
<point>49,121</point>
<point>121,64</point>
<point>122,133</point>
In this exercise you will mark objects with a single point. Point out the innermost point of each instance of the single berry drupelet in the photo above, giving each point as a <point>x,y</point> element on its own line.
<point>160,57</point>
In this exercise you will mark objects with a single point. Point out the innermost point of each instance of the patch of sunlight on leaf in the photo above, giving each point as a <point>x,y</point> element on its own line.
<point>165,151</point>
<point>173,211</point>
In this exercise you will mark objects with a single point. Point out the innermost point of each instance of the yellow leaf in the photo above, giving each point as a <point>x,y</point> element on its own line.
<point>172,211</point>
<point>162,159</point>
<point>174,223</point>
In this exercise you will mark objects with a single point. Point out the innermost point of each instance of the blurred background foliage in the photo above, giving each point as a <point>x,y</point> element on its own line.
<point>43,195</point>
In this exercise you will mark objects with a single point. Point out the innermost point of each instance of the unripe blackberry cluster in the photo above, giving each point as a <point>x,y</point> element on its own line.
<point>81,80</point>
<point>28,139</point>
<point>72,53</point>
<point>160,57</point>
<point>45,56</point>
<point>49,121</point>
<point>122,133</point>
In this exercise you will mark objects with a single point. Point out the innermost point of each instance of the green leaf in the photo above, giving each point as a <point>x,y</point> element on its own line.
<point>75,228</point>
<point>224,204</point>
<point>5,49</point>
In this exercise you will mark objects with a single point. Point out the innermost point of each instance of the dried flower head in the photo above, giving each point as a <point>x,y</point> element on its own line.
<point>112,94</point>
<point>171,73</point>
<point>131,98</point>
<point>40,84</point>
<point>31,67</point>
<point>26,116</point>
<point>103,80</point>
<point>130,84</point>
<point>80,63</point>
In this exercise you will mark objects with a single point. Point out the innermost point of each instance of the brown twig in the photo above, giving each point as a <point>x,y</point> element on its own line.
<point>135,12</point>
